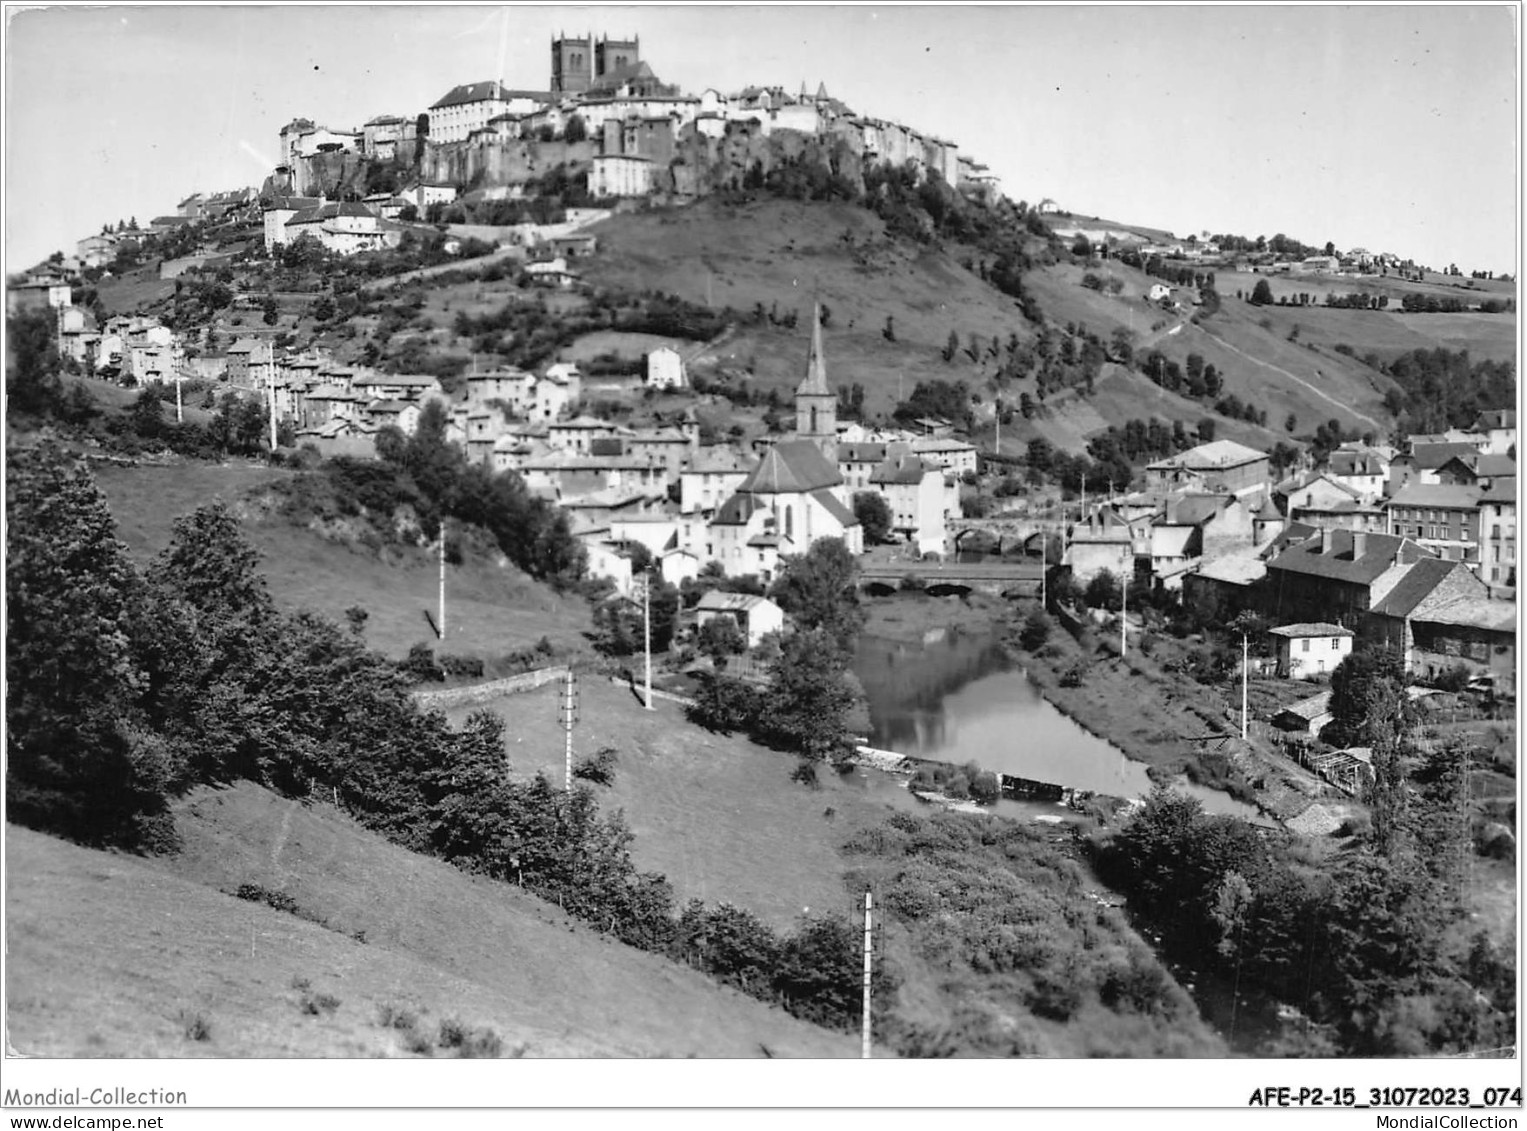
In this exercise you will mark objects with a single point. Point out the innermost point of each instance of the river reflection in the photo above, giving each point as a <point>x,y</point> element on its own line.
<point>960,698</point>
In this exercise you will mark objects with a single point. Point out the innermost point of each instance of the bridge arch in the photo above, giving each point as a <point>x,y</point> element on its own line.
<point>948,589</point>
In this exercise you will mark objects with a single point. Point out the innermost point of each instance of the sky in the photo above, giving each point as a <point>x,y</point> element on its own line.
<point>1389,127</point>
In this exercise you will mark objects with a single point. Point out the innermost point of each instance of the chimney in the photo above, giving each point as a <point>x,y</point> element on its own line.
<point>1325,540</point>
<point>1359,544</point>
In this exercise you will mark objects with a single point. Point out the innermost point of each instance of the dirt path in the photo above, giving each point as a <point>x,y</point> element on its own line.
<point>1378,425</point>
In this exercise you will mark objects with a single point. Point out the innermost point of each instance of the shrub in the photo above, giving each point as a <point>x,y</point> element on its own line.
<point>464,667</point>
<point>1035,631</point>
<point>315,1005</point>
<point>598,767</point>
<point>195,1026</point>
<point>390,1016</point>
<point>420,665</point>
<point>985,787</point>
<point>805,772</point>
<point>1075,675</point>
<point>469,1043</point>
<point>1054,998</point>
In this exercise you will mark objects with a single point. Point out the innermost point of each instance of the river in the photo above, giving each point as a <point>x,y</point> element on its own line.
<point>958,697</point>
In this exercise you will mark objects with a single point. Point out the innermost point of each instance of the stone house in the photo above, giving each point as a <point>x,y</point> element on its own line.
<point>1335,576</point>
<point>1310,651</point>
<point>754,616</point>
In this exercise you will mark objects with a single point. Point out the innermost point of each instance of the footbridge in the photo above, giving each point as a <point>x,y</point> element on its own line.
<point>943,579</point>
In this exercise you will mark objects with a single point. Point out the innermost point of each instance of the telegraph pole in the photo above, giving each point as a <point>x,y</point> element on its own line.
<point>868,943</point>
<point>647,633</point>
<point>180,417</point>
<point>1124,614</point>
<point>272,385</point>
<point>442,577</point>
<point>1244,668</point>
<point>568,717</point>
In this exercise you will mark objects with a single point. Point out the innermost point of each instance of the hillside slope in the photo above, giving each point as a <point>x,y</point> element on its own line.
<point>107,952</point>
<point>491,609</point>
<point>784,255</point>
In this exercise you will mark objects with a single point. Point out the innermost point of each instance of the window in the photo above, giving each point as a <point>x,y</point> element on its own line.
<point>1336,644</point>
<point>1305,644</point>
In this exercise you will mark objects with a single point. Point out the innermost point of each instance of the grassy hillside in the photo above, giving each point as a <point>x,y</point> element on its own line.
<point>491,609</point>
<point>113,955</point>
<point>718,815</point>
<point>785,254</point>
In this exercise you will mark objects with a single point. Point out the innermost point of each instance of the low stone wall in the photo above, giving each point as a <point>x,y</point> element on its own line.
<point>483,692</point>
<point>682,700</point>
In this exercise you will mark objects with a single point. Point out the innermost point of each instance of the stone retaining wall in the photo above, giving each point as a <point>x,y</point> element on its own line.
<point>482,692</point>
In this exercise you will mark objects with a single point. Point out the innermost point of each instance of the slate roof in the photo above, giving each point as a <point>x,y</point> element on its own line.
<point>791,467</point>
<point>1192,510</point>
<point>907,469</point>
<point>485,92</point>
<point>861,452</point>
<point>607,446</point>
<point>737,510</point>
<point>1382,551</point>
<point>1317,628</point>
<point>1456,496</point>
<point>1474,612</point>
<point>721,602</point>
<point>1428,457</point>
<point>1415,586</point>
<point>1214,456</point>
<point>1501,491</point>
<point>1310,709</point>
<point>833,507</point>
<point>1495,418</point>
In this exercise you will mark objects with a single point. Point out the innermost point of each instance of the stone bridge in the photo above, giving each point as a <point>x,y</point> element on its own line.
<point>942,579</point>
<point>1013,535</point>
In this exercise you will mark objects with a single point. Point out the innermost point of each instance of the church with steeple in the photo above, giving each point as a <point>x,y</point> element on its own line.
<point>796,495</point>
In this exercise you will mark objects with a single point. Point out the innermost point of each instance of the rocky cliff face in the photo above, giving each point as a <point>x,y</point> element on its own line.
<point>701,165</point>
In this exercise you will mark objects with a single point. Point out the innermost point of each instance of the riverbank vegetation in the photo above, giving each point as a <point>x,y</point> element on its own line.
<point>1374,949</point>
<point>1002,947</point>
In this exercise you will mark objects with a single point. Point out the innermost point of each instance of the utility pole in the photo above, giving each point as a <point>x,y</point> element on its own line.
<point>868,943</point>
<point>568,717</point>
<point>1123,614</point>
<point>647,633</point>
<point>442,577</point>
<point>1044,554</point>
<point>180,417</point>
<point>272,385</point>
<point>1245,667</point>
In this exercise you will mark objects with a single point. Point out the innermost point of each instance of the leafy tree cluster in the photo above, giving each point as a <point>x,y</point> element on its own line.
<point>1442,388</point>
<point>993,904</point>
<point>1167,271</point>
<point>1362,949</point>
<point>949,400</point>
<point>127,688</point>
<point>432,478</point>
<point>1413,303</point>
<point>812,702</point>
<point>1196,379</point>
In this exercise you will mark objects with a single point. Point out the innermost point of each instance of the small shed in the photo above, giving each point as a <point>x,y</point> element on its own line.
<point>1309,651</point>
<point>756,617</point>
<point>1307,716</point>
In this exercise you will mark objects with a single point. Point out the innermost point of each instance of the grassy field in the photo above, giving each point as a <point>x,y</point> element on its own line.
<point>112,955</point>
<point>718,815</point>
<point>491,609</point>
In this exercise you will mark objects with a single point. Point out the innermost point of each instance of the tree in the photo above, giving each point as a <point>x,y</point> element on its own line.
<point>889,331</point>
<point>77,761</point>
<point>874,515</point>
<point>576,130</point>
<point>819,589</point>
<point>1261,294</point>
<point>1103,592</point>
<point>811,696</point>
<point>951,347</point>
<point>272,312</point>
<point>720,639</point>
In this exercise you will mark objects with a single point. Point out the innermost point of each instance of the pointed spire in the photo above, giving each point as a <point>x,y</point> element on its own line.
<point>815,380</point>
<point>822,91</point>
